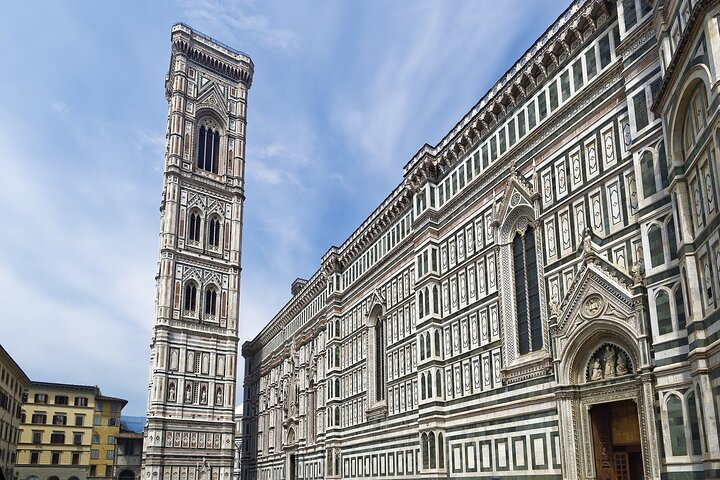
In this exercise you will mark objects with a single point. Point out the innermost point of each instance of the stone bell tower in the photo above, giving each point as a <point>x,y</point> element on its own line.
<point>191,393</point>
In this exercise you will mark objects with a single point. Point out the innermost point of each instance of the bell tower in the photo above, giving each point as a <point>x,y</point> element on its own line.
<point>191,393</point>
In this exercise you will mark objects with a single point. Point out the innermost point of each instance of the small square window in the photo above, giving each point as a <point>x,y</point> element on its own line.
<point>96,439</point>
<point>94,453</point>
<point>40,398</point>
<point>109,454</point>
<point>34,457</point>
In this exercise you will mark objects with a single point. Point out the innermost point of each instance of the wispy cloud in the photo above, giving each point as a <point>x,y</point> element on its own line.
<point>328,134</point>
<point>234,21</point>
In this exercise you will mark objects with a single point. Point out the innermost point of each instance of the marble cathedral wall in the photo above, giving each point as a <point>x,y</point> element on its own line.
<point>538,297</point>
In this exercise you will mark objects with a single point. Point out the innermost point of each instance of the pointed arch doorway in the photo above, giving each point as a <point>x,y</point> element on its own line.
<point>605,394</point>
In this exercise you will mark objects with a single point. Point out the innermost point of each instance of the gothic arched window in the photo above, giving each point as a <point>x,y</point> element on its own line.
<point>211,301</point>
<point>380,360</point>
<point>194,226</point>
<point>214,233</point>
<point>694,117</point>
<point>527,295</point>
<point>208,148</point>
<point>190,297</point>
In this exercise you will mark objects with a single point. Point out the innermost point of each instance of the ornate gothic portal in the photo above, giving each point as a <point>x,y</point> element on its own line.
<point>601,344</point>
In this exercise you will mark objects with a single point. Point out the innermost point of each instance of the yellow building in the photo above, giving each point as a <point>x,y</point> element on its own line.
<point>67,432</point>
<point>13,383</point>
<point>106,427</point>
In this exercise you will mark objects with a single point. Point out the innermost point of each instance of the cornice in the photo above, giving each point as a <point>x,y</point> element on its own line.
<point>566,35</point>
<point>212,54</point>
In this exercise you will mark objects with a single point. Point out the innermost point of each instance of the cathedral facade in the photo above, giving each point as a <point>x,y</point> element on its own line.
<point>538,297</point>
<point>191,395</point>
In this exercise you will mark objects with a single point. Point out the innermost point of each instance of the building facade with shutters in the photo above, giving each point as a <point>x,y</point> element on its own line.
<point>67,432</point>
<point>191,394</point>
<point>13,383</point>
<point>538,297</point>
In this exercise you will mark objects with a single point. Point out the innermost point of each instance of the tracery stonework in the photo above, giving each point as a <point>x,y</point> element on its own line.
<point>518,306</point>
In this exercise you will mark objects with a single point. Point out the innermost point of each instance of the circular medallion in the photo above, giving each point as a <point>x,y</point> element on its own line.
<point>593,305</point>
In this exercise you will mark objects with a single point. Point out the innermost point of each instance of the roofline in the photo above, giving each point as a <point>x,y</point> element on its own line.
<point>15,366</point>
<point>66,386</point>
<point>111,399</point>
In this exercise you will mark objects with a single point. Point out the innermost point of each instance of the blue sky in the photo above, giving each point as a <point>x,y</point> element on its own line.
<point>344,94</point>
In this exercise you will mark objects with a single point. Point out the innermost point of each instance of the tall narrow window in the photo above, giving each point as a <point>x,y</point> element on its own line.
<point>676,426</point>
<point>431,441</point>
<point>380,360</point>
<point>190,297</point>
<point>208,149</point>
<point>194,227</point>
<point>527,299</point>
<point>214,233</point>
<point>210,301</point>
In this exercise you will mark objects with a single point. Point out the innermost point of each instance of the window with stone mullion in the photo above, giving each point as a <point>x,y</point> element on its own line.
<point>527,293</point>
<point>521,300</point>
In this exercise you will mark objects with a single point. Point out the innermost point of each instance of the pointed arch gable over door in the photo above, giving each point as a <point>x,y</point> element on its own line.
<point>601,341</point>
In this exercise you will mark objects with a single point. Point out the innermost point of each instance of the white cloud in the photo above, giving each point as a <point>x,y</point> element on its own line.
<point>233,21</point>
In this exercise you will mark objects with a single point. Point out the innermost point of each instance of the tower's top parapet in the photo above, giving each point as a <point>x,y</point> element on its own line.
<point>212,54</point>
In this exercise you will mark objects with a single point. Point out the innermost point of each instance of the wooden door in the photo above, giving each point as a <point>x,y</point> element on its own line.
<point>601,417</point>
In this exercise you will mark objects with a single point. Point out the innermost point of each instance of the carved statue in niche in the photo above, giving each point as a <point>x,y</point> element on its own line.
<point>621,368</point>
<point>609,362</point>
<point>171,392</point>
<point>203,394</point>
<point>188,393</point>
<point>219,396</point>
<point>173,359</point>
<point>596,373</point>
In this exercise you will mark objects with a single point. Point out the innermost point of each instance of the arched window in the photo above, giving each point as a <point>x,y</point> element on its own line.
<point>190,297</point>
<point>337,357</point>
<point>422,349</point>
<point>694,425</point>
<point>441,451</point>
<point>208,148</point>
<point>423,390</point>
<point>657,254</point>
<point>427,301</point>
<point>429,384</point>
<point>438,345</point>
<point>421,304</point>
<point>679,307</point>
<point>380,360</point>
<point>425,453</point>
<point>211,301</point>
<point>214,232</point>
<point>194,227</point>
<point>337,416</point>
<point>428,352</point>
<point>337,388</point>
<point>694,117</point>
<point>662,311</point>
<point>431,441</point>
<point>672,241</point>
<point>676,425</point>
<point>527,296</point>
<point>438,383</point>
<point>436,300</point>
<point>647,169</point>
